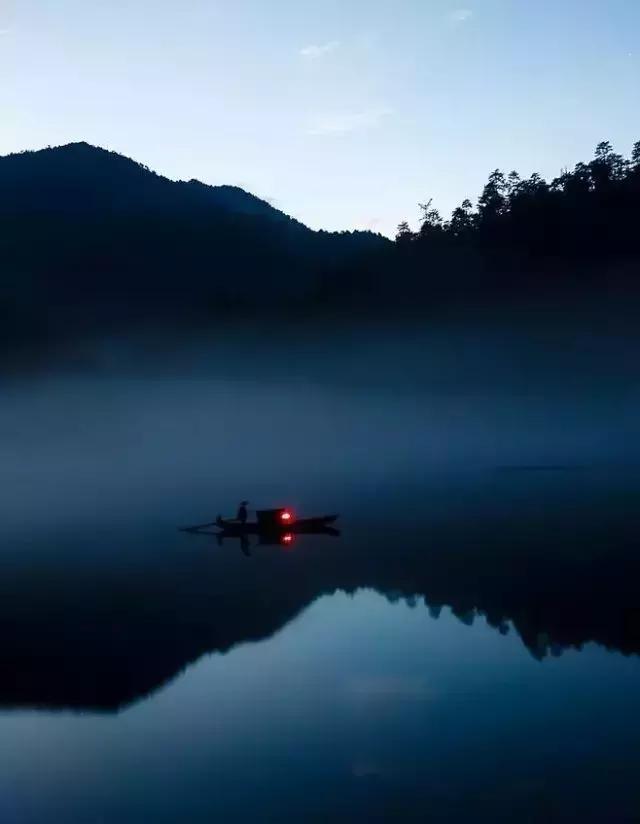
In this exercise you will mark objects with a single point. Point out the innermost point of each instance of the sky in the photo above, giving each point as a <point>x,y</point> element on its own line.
<point>343,113</point>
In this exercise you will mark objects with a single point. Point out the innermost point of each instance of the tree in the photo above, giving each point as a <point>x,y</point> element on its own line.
<point>607,167</point>
<point>580,181</point>
<point>513,183</point>
<point>404,233</point>
<point>432,223</point>
<point>462,222</point>
<point>604,150</point>
<point>493,202</point>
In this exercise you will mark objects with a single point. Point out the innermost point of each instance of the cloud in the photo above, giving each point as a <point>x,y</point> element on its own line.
<point>459,16</point>
<point>337,123</point>
<point>313,52</point>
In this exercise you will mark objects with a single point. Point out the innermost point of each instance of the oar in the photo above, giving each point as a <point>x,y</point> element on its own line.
<point>197,527</point>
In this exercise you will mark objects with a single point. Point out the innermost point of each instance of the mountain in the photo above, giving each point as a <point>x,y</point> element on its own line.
<point>91,239</point>
<point>80,177</point>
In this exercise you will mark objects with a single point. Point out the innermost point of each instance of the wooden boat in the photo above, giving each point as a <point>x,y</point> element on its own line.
<point>269,522</point>
<point>298,525</point>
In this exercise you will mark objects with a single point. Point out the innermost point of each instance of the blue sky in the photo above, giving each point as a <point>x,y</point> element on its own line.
<point>344,114</point>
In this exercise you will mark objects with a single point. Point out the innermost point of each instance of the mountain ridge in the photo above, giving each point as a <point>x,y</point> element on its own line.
<point>73,155</point>
<point>91,240</point>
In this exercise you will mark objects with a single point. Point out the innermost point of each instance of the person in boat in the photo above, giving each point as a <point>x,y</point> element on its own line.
<point>241,517</point>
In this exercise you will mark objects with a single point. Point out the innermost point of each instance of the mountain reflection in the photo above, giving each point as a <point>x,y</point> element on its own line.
<point>89,638</point>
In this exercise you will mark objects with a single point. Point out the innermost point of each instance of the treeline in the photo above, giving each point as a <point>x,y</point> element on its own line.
<point>590,213</point>
<point>92,241</point>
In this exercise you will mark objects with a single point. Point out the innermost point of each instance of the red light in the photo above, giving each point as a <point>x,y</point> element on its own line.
<point>285,516</point>
<point>287,539</point>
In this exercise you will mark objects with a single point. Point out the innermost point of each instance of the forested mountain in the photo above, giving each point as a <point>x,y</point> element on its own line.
<point>89,238</point>
<point>583,222</point>
<point>91,241</point>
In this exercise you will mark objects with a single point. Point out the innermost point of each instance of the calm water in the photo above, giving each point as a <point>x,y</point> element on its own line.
<point>466,649</point>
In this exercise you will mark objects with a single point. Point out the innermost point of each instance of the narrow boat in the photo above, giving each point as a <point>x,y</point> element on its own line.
<point>297,525</point>
<point>268,521</point>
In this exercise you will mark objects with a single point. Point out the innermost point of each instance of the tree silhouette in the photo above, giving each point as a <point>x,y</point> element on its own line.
<point>432,223</point>
<point>404,233</point>
<point>462,219</point>
<point>584,215</point>
<point>493,201</point>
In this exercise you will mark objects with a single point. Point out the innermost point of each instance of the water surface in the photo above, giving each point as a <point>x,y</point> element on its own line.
<point>466,649</point>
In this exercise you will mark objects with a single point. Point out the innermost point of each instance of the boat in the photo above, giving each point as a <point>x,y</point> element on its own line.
<point>269,522</point>
<point>296,526</point>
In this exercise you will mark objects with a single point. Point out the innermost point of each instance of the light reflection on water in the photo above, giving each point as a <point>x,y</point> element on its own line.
<point>446,656</point>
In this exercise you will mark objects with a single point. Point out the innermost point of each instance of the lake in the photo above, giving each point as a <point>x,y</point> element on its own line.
<point>467,648</point>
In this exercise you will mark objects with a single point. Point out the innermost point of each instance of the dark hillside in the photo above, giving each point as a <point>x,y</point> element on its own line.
<point>90,239</point>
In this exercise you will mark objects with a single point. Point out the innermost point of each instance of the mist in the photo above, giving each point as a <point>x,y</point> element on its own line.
<point>162,424</point>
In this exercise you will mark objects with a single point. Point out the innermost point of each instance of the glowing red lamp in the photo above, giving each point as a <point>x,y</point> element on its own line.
<point>286,517</point>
